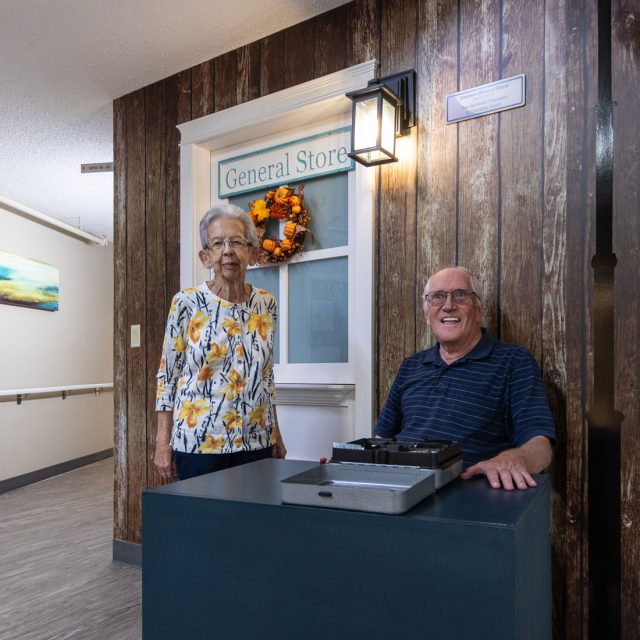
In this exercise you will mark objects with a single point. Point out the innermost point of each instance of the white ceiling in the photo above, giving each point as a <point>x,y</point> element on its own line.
<point>63,62</point>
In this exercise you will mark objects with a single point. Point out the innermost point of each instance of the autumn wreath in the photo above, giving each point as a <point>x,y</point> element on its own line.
<point>282,204</point>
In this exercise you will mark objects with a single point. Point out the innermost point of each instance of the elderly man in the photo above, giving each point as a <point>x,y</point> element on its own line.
<point>485,394</point>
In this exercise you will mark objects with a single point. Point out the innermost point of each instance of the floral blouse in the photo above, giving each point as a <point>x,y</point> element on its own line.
<point>216,372</point>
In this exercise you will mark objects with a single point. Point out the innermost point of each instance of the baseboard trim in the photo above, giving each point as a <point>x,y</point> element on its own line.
<point>55,470</point>
<point>127,552</point>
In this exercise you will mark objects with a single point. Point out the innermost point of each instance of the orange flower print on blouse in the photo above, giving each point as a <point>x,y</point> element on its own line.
<point>261,323</point>
<point>211,444</point>
<point>217,352</point>
<point>232,327</point>
<point>192,410</point>
<point>205,373</point>
<point>179,344</point>
<point>232,420</point>
<point>238,443</point>
<point>259,415</point>
<point>197,322</point>
<point>236,383</point>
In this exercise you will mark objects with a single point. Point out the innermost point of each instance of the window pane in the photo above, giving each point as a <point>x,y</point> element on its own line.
<point>326,201</point>
<point>244,199</point>
<point>318,311</point>
<point>268,278</point>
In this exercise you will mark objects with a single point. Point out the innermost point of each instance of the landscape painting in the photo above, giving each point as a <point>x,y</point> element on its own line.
<point>28,283</point>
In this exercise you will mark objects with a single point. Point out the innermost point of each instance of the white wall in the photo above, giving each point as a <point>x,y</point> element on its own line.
<point>73,345</point>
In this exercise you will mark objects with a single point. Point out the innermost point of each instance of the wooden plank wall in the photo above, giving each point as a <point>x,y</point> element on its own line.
<point>625,45</point>
<point>510,196</point>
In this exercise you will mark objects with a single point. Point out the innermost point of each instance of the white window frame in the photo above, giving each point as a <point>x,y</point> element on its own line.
<point>311,107</point>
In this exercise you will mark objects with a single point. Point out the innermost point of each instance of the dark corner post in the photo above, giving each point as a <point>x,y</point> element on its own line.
<point>603,421</point>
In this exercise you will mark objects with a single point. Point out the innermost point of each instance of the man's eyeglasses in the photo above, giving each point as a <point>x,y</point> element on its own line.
<point>459,296</point>
<point>235,242</point>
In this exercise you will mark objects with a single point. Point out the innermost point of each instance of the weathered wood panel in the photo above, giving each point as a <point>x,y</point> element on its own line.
<point>396,218</point>
<point>521,178</point>
<point>478,165</point>
<point>581,87</point>
<point>272,64</point>
<point>625,52</point>
<point>226,84</point>
<point>202,83</point>
<point>120,395</point>
<point>299,57</point>
<point>366,37</point>
<point>333,40</point>
<point>248,72</point>
<point>155,264</point>
<point>436,71</point>
<point>178,110</point>
<point>553,284</point>
<point>136,310</point>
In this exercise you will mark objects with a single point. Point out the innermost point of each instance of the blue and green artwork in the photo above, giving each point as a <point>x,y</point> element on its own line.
<point>28,283</point>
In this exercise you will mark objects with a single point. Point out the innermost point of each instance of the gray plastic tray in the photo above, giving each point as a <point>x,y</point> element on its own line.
<point>361,487</point>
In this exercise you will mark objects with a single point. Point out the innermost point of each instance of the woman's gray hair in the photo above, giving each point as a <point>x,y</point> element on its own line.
<point>232,212</point>
<point>473,280</point>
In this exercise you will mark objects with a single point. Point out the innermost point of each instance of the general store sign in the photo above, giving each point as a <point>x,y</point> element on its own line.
<point>289,162</point>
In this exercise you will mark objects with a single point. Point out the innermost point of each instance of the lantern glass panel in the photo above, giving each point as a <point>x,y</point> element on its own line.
<point>388,136</point>
<point>365,123</point>
<point>374,157</point>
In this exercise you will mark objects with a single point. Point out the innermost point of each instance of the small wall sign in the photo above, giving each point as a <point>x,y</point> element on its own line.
<point>501,95</point>
<point>289,162</point>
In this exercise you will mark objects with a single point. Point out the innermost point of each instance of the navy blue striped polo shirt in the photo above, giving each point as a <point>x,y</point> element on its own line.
<point>490,400</point>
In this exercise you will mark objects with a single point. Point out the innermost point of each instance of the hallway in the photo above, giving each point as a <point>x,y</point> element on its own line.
<point>57,578</point>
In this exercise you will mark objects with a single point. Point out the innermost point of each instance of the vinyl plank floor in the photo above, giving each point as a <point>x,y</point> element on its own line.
<point>57,578</point>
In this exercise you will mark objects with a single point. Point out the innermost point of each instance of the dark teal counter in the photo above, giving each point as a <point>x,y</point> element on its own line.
<point>223,558</point>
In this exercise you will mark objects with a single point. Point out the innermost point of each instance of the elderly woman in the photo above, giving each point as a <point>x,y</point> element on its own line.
<point>215,397</point>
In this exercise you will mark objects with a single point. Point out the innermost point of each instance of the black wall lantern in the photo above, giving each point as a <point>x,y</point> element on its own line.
<point>384,109</point>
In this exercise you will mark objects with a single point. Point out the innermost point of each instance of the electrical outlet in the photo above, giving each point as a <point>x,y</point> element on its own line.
<point>135,335</point>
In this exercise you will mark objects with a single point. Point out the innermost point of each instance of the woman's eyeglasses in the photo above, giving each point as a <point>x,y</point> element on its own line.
<point>235,242</point>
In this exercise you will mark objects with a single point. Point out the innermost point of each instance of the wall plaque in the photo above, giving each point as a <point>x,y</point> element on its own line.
<point>501,95</point>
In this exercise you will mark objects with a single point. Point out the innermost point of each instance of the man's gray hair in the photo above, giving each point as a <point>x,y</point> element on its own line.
<point>232,212</point>
<point>475,283</point>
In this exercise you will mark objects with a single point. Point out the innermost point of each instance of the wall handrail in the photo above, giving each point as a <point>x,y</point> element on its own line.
<point>71,389</point>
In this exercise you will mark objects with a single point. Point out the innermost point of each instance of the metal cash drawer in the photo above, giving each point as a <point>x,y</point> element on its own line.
<point>359,487</point>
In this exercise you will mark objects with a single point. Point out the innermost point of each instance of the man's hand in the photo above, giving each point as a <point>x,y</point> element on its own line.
<point>505,469</point>
<point>514,466</point>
